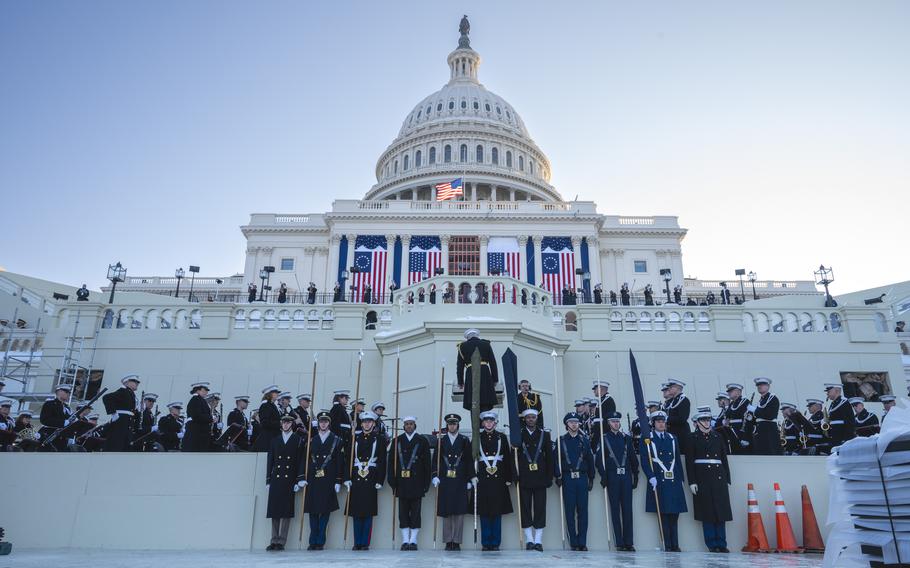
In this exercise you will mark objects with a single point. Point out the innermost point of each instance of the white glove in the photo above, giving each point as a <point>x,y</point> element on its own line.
<point>67,422</point>
<point>337,488</point>
<point>302,483</point>
<point>469,485</point>
<point>221,425</point>
<point>751,408</point>
<point>378,486</point>
<point>179,435</point>
<point>296,488</point>
<point>3,425</point>
<point>115,417</point>
<point>348,484</point>
<point>435,482</point>
<point>154,428</point>
<point>508,483</point>
<point>474,481</point>
<point>653,482</point>
<point>37,435</point>
<point>694,488</point>
<point>315,423</point>
<point>743,443</point>
<point>249,431</point>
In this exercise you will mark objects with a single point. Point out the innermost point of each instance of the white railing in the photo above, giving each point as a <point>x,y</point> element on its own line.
<point>783,321</point>
<point>660,319</point>
<point>271,318</point>
<point>473,290</point>
<point>484,206</point>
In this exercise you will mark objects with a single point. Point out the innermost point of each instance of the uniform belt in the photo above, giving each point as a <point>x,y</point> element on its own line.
<point>711,462</point>
<point>468,366</point>
<point>789,437</point>
<point>737,421</point>
<point>818,436</point>
<point>765,420</point>
<point>836,422</point>
<point>123,412</point>
<point>345,425</point>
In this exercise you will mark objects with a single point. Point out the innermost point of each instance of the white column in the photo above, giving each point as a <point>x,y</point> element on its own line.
<point>352,239</point>
<point>538,266</point>
<point>389,264</point>
<point>444,241</point>
<point>405,255</point>
<point>493,191</point>
<point>484,241</point>
<point>594,262</point>
<point>522,259</point>
<point>433,192</point>
<point>331,273</point>
<point>511,195</point>
<point>473,192</point>
<point>618,272</point>
<point>576,249</point>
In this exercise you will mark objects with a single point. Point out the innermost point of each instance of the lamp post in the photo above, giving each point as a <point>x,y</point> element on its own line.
<point>667,276</point>
<point>825,276</point>
<point>742,290</point>
<point>752,278</point>
<point>265,273</point>
<point>218,283</point>
<point>344,279</point>
<point>193,270</point>
<point>115,273</point>
<point>353,270</point>
<point>178,274</point>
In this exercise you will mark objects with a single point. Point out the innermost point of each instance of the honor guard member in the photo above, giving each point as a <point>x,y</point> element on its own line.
<point>574,476</point>
<point>866,422</point>
<point>793,435</point>
<point>284,403</point>
<point>341,420</point>
<point>284,471</point>
<point>709,480</point>
<point>367,477</point>
<point>635,429</point>
<point>269,419</point>
<point>603,400</point>
<point>302,411</point>
<point>144,425</point>
<point>489,373</point>
<point>529,399</point>
<point>325,474</point>
<point>839,416</point>
<point>721,422</point>
<point>766,436</point>
<point>7,425</point>
<point>677,409</point>
<point>409,477</point>
<point>214,400</point>
<point>356,410</point>
<point>535,473</point>
<point>453,477</point>
<point>888,401</point>
<point>378,409</point>
<point>581,409</point>
<point>816,440</point>
<point>736,416</point>
<point>56,414</point>
<point>238,417</point>
<point>662,465</point>
<point>170,427</point>
<point>121,407</point>
<point>198,425</point>
<point>619,475</point>
<point>494,476</point>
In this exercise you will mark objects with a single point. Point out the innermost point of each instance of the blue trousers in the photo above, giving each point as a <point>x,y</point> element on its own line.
<point>669,522</point>
<point>363,527</point>
<point>491,530</point>
<point>575,496</point>
<point>619,493</point>
<point>715,534</point>
<point>318,524</point>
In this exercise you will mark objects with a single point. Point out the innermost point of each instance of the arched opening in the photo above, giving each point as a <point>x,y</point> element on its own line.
<point>494,156</point>
<point>478,154</point>
<point>417,158</point>
<point>433,155</point>
<point>463,153</point>
<point>371,320</point>
<point>508,158</point>
<point>447,154</point>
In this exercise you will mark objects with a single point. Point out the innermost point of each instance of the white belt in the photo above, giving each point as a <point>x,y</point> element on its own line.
<point>816,436</point>
<point>790,437</point>
<point>713,462</point>
<point>345,425</point>
<point>765,420</point>
<point>836,422</point>
<point>123,412</point>
<point>737,421</point>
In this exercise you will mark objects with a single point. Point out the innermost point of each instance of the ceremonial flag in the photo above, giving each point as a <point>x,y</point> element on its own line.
<point>449,189</point>
<point>558,265</point>
<point>425,256</point>
<point>370,255</point>
<point>510,384</point>
<point>643,421</point>
<point>502,256</point>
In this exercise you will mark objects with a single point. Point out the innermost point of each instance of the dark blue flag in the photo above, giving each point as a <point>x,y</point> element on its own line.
<point>643,421</point>
<point>510,384</point>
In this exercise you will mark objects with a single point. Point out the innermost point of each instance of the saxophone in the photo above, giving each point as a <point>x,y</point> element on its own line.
<point>826,421</point>
<point>783,434</point>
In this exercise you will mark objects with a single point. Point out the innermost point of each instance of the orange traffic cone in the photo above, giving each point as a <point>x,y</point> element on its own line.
<point>812,537</point>
<point>786,541</point>
<point>757,540</point>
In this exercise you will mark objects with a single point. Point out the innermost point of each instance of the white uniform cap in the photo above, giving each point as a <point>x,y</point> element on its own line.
<point>245,397</point>
<point>472,332</point>
<point>722,395</point>
<point>212,395</point>
<point>202,384</point>
<point>761,381</point>
<point>6,403</point>
<point>26,413</point>
<point>664,386</point>
<point>829,386</point>
<point>377,404</point>
<point>271,388</point>
<point>175,404</point>
<point>581,401</point>
<point>285,395</point>
<point>784,405</point>
<point>702,414</point>
<point>857,400</point>
<point>676,382</point>
<point>658,414</point>
<point>130,378</point>
<point>305,396</point>
<point>811,401</point>
<point>599,383</point>
<point>887,398</point>
<point>653,403</point>
<point>529,411</point>
<point>731,386</point>
<point>489,415</point>
<point>342,392</point>
<point>367,415</point>
<point>150,396</point>
<point>67,388</point>
<point>408,419</point>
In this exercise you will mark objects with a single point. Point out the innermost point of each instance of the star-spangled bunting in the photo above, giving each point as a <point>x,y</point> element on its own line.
<point>370,255</point>
<point>425,256</point>
<point>558,265</point>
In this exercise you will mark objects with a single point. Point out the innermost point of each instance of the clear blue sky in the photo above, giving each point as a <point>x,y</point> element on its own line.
<point>146,132</point>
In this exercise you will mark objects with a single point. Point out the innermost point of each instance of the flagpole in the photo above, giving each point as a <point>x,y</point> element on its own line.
<point>603,452</point>
<point>562,506</point>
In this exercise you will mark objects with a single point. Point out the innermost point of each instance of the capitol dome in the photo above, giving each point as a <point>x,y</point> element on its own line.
<point>464,130</point>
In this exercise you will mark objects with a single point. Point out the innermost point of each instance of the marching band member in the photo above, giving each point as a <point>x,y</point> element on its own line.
<point>736,416</point>
<point>284,404</point>
<point>792,430</point>
<point>494,476</point>
<point>302,412</point>
<point>326,472</point>
<point>888,401</point>
<point>603,399</point>
<point>866,423</point>
<point>170,427</point>
<point>677,408</point>
<point>341,420</point>
<point>635,428</point>
<point>367,477</point>
<point>662,465</point>
<point>529,399</point>
<point>378,409</point>
<point>284,471</point>
<point>7,425</point>
<point>214,400</point>
<point>120,406</point>
<point>766,436</point>
<point>237,416</point>
<point>454,476</point>
<point>720,422</point>
<point>409,477</point>
<point>269,419</point>
<point>709,478</point>
<point>840,417</point>
<point>574,476</point>
<point>198,425</point>
<point>145,422</point>
<point>535,473</point>
<point>619,474</point>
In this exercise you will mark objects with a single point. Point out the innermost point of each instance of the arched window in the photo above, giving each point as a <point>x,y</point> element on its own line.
<point>433,155</point>
<point>451,105</point>
<point>476,105</point>
<point>439,107</point>
<point>417,158</point>
<point>508,158</point>
<point>464,104</point>
<point>395,169</point>
<point>463,153</point>
<point>530,166</point>
<point>494,155</point>
<point>419,113</point>
<point>487,107</point>
<point>429,108</point>
<point>478,154</point>
<point>407,162</point>
<point>521,163</point>
<point>447,154</point>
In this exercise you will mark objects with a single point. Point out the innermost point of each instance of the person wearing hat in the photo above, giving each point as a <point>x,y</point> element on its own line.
<point>453,477</point>
<point>816,441</point>
<point>269,416</point>
<point>368,471</point>
<point>198,425</point>
<point>840,416</point>
<point>604,405</point>
<point>237,418</point>
<point>721,424</point>
<point>302,412</point>
<point>535,473</point>
<point>635,429</point>
<point>766,434</point>
<point>7,426</point>
<point>662,466</point>
<point>283,472</point>
<point>888,401</point>
<point>409,478</point>
<point>574,475</point>
<point>326,472</point>
<point>619,475</point>
<point>677,408</point>
<point>378,409</point>
<point>735,419</point>
<point>214,401</point>
<point>56,414</point>
<point>120,405</point>
<point>341,420</point>
<point>529,399</point>
<point>866,422</point>
<point>145,424</point>
<point>284,404</point>
<point>793,432</point>
<point>170,427</point>
<point>356,408</point>
<point>494,467</point>
<point>24,422</point>
<point>489,372</point>
<point>709,480</point>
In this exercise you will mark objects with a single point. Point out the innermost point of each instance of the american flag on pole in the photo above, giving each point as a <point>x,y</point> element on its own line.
<point>449,189</point>
<point>370,255</point>
<point>425,256</point>
<point>558,265</point>
<point>503,256</point>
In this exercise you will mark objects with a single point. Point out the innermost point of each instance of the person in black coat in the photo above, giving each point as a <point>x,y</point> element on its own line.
<point>198,426</point>
<point>535,474</point>
<point>529,399</point>
<point>341,420</point>
<point>7,426</point>
<point>735,416</point>
<point>326,471</point>
<point>144,425</point>
<point>709,480</point>
<point>237,418</point>
<point>269,419</point>
<point>840,416</point>
<point>170,427</point>
<point>283,474</point>
<point>121,407</point>
<point>453,477</point>
<point>766,434</point>
<point>866,422</point>
<point>337,293</point>
<point>677,407</point>
<point>409,478</point>
<point>495,472</point>
<point>304,422</point>
<point>56,414</point>
<point>574,474</point>
<point>367,294</point>
<point>489,373</point>
<point>368,471</point>
<point>603,398</point>
<point>311,293</point>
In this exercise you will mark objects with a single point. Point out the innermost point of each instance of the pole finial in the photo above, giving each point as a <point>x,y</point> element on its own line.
<point>360,355</point>
<point>553,354</point>
<point>315,356</point>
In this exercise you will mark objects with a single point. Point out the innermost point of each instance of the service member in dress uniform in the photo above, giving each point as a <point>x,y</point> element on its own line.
<point>238,416</point>
<point>144,423</point>
<point>367,476</point>
<point>284,471</point>
<point>489,373</point>
<point>529,399</point>
<point>840,416</point>
<point>120,405</point>
<point>709,480</point>
<point>327,471</point>
<point>635,429</point>
<point>198,425</point>
<point>574,476</point>
<point>581,409</point>
<point>793,432</point>
<point>170,427</point>
<point>269,419</point>
<point>888,401</point>
<point>866,422</point>
<point>677,409</point>
<point>56,414</point>
<point>619,474</point>
<point>736,415</point>
<point>453,478</point>
<point>662,465</point>
<point>535,473</point>
<point>7,424</point>
<point>302,411</point>
<point>341,420</point>
<point>356,409</point>
<point>409,477</point>
<point>214,400</point>
<point>817,442</point>
<point>766,434</point>
<point>494,468</point>
<point>284,404</point>
<point>602,399</point>
<point>378,409</point>
<point>721,424</point>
